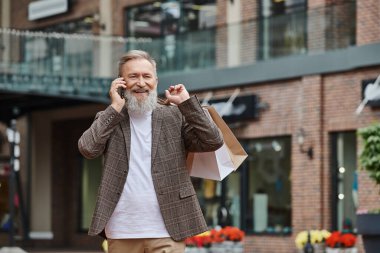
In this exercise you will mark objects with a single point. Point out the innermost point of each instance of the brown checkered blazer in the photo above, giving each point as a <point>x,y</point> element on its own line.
<point>175,130</point>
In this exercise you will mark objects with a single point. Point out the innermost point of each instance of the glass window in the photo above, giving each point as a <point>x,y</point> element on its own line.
<point>170,17</point>
<point>340,25</point>
<point>345,184</point>
<point>283,27</point>
<point>209,194</point>
<point>268,200</point>
<point>183,32</point>
<point>220,201</point>
<point>91,175</point>
<point>232,198</point>
<point>45,56</point>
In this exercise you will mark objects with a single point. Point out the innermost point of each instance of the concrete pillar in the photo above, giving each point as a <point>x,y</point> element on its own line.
<point>5,22</point>
<point>233,33</point>
<point>5,13</point>
<point>106,65</point>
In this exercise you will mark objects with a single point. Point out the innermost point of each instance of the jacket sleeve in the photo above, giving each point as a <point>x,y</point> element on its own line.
<point>93,141</point>
<point>199,132</point>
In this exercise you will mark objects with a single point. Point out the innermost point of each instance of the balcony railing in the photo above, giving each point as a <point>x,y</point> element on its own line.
<point>77,64</point>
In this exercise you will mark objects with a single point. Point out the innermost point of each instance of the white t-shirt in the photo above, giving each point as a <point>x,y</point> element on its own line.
<point>137,214</point>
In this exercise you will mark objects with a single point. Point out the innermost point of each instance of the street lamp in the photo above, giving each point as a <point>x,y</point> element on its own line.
<point>301,140</point>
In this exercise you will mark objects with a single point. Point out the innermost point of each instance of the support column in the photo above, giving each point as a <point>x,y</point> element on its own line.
<point>107,66</point>
<point>233,33</point>
<point>5,20</point>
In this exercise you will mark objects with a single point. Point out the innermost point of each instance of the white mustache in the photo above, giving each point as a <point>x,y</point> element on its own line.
<point>140,90</point>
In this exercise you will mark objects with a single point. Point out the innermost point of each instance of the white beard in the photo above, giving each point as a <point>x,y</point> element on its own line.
<point>141,106</point>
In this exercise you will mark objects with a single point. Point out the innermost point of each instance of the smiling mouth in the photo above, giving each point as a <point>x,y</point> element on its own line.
<point>139,91</point>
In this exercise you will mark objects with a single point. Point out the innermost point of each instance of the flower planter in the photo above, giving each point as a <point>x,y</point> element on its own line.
<point>224,247</point>
<point>332,250</point>
<point>370,231</point>
<point>319,248</point>
<point>340,250</point>
<point>227,247</point>
<point>196,250</point>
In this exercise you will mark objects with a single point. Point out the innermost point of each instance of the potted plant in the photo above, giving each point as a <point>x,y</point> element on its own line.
<point>218,240</point>
<point>339,242</point>
<point>368,220</point>
<point>317,239</point>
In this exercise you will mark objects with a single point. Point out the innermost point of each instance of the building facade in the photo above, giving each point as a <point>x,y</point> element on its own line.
<point>297,68</point>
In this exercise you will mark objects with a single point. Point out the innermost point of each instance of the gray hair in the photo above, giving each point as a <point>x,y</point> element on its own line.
<point>133,55</point>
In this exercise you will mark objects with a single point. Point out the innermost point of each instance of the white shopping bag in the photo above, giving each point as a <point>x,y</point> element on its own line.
<point>220,163</point>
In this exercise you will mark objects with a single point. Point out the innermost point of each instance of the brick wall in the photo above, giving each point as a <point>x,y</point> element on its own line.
<point>292,104</point>
<point>221,18</point>
<point>368,22</point>
<point>321,105</point>
<point>249,32</point>
<point>249,10</point>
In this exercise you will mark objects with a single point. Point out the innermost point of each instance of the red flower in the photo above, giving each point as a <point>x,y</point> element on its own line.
<point>348,240</point>
<point>215,236</point>
<point>337,240</point>
<point>333,240</point>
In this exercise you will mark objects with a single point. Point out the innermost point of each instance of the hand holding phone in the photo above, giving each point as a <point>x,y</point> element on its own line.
<point>121,91</point>
<point>117,93</point>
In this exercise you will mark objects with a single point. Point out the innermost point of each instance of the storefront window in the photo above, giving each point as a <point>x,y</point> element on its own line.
<point>268,200</point>
<point>344,181</point>
<point>170,17</point>
<point>220,201</point>
<point>283,28</point>
<point>232,198</point>
<point>183,32</point>
<point>209,194</point>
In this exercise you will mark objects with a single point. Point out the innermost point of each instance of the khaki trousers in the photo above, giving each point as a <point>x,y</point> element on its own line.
<point>150,245</point>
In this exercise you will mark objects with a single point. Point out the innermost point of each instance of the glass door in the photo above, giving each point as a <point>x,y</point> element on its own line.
<point>344,181</point>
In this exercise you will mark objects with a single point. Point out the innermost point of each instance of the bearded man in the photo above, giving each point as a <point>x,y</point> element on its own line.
<point>146,201</point>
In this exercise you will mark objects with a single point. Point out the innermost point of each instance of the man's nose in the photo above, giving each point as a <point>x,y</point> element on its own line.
<point>141,82</point>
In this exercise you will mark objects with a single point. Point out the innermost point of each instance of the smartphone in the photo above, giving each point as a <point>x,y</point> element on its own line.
<point>121,92</point>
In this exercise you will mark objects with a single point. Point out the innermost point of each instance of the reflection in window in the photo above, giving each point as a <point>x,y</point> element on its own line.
<point>46,56</point>
<point>345,185</point>
<point>183,32</point>
<point>283,28</point>
<point>209,194</point>
<point>232,202</point>
<point>269,187</point>
<point>91,174</point>
<point>220,201</point>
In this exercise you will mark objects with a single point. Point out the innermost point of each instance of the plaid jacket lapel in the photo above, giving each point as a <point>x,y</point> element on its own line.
<point>156,129</point>
<point>126,129</point>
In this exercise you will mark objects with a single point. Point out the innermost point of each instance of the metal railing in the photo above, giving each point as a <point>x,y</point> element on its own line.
<point>84,64</point>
